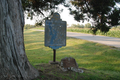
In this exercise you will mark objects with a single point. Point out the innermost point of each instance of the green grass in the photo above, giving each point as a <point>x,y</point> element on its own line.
<point>111,33</point>
<point>92,56</point>
<point>39,28</point>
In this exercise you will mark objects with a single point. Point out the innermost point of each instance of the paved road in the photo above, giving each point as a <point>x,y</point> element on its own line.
<point>111,41</point>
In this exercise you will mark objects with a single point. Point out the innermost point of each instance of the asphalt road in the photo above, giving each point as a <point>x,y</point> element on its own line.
<point>110,41</point>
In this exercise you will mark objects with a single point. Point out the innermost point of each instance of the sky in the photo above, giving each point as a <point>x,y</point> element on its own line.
<point>65,16</point>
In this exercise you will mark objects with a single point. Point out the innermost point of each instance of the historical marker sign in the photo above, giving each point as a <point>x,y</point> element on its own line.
<point>55,32</point>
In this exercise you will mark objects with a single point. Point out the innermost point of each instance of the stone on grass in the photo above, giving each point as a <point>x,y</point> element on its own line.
<point>69,64</point>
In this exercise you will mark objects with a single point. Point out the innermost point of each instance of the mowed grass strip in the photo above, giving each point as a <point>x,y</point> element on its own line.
<point>89,55</point>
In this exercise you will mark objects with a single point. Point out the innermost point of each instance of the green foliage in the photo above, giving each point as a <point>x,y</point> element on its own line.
<point>28,26</point>
<point>38,24</point>
<point>88,25</point>
<point>114,32</point>
<point>104,13</point>
<point>39,8</point>
<point>77,26</point>
<point>118,27</point>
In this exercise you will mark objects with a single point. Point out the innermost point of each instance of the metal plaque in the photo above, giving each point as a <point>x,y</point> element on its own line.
<point>55,32</point>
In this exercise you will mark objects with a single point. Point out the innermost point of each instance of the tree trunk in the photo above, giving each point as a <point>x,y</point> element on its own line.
<point>14,64</point>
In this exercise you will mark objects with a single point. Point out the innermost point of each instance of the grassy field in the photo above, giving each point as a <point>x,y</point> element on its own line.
<point>99,61</point>
<point>112,32</point>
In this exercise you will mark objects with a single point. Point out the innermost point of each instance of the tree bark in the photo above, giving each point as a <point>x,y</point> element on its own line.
<point>14,64</point>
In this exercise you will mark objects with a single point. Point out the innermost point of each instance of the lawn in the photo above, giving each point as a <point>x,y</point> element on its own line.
<point>99,61</point>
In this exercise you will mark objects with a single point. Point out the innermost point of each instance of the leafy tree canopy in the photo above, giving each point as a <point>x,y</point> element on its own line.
<point>40,8</point>
<point>104,13</point>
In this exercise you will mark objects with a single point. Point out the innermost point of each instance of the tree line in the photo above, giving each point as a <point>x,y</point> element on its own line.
<point>87,25</point>
<point>29,26</point>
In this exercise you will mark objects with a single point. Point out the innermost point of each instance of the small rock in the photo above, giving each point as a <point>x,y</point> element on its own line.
<point>69,63</point>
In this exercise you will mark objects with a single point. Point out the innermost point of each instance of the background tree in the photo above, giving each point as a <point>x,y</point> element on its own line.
<point>118,27</point>
<point>87,25</point>
<point>28,26</point>
<point>104,13</point>
<point>77,26</point>
<point>80,26</point>
<point>73,25</point>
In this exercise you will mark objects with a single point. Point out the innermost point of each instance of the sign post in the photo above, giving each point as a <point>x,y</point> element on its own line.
<point>54,55</point>
<point>55,33</point>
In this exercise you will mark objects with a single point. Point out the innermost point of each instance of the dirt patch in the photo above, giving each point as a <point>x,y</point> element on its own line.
<point>53,72</point>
